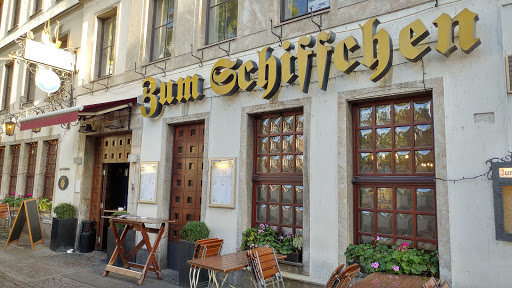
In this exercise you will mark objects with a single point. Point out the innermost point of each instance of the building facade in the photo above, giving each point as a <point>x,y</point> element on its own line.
<point>344,120</point>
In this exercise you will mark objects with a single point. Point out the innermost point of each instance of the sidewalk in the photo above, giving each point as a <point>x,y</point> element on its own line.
<point>43,268</point>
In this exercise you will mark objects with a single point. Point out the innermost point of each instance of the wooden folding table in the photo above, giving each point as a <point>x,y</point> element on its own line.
<point>135,223</point>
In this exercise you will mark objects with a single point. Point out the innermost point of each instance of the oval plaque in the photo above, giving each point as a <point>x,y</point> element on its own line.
<point>63,182</point>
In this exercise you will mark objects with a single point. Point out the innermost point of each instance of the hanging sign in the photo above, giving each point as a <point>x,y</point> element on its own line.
<point>505,172</point>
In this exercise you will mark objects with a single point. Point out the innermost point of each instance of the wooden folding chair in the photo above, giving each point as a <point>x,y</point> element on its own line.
<point>335,277</point>
<point>432,283</point>
<point>5,213</point>
<point>348,275</point>
<point>445,284</point>
<point>203,249</point>
<point>265,268</point>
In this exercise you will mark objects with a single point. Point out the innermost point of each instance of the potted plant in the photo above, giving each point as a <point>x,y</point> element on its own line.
<point>128,244</point>
<point>44,204</point>
<point>63,227</point>
<point>296,255</point>
<point>190,233</point>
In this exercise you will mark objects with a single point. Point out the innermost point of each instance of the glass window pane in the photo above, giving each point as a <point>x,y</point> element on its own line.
<point>404,199</point>
<point>365,117</point>
<point>385,198</point>
<point>263,145</point>
<point>261,213</point>
<point>109,32</point>
<point>261,193</point>
<point>384,164</point>
<point>299,163</point>
<point>401,241</point>
<point>403,137</point>
<point>275,125</point>
<point>262,164</point>
<point>299,194</point>
<point>365,139</point>
<point>426,226</point>
<point>383,138</point>
<point>427,246</point>
<point>366,221</point>
<point>106,62</point>
<point>294,8</point>
<point>287,143</point>
<point>314,5</point>
<point>287,215</point>
<point>298,216</point>
<point>425,200</point>
<point>263,126</point>
<point>424,161</point>
<point>383,115</point>
<point>423,136</point>
<point>231,17</point>
<point>275,164</point>
<point>274,193</point>
<point>402,113</point>
<point>159,43</point>
<point>385,223</point>
<point>404,225</point>
<point>299,143</point>
<point>366,162</point>
<point>274,213</point>
<point>363,239</point>
<point>161,8</point>
<point>274,144</point>
<point>403,162</point>
<point>386,241</point>
<point>287,164</point>
<point>287,196</point>
<point>299,123</point>
<point>422,111</point>
<point>366,197</point>
<point>288,124</point>
<point>216,24</point>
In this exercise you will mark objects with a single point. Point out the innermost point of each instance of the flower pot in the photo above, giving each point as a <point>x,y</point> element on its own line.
<point>294,257</point>
<point>63,234</point>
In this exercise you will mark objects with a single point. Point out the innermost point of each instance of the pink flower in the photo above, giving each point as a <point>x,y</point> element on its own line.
<point>281,238</point>
<point>396,268</point>
<point>13,193</point>
<point>29,194</point>
<point>260,231</point>
<point>378,238</point>
<point>405,244</point>
<point>375,265</point>
<point>22,196</point>
<point>266,246</point>
<point>398,248</point>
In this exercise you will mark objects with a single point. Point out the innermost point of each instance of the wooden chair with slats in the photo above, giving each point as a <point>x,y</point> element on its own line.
<point>263,264</point>
<point>348,275</point>
<point>432,283</point>
<point>5,213</point>
<point>203,249</point>
<point>445,285</point>
<point>334,280</point>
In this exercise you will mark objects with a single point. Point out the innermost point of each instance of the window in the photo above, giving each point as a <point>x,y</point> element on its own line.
<point>49,173</point>
<point>8,85</point>
<point>31,169</point>
<point>15,160</point>
<point>278,192</point>
<point>64,41</point>
<point>2,157</point>
<point>295,8</point>
<point>162,29</point>
<point>222,20</point>
<point>37,6</point>
<point>108,37</point>
<point>395,195</point>
<point>15,13</point>
<point>30,85</point>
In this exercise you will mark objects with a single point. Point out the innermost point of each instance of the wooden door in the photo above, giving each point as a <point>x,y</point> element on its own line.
<point>187,177</point>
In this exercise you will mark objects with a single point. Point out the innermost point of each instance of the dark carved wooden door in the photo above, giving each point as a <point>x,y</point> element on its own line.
<point>187,177</point>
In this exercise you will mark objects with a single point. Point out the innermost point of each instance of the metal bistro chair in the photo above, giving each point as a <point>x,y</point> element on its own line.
<point>348,275</point>
<point>5,213</point>
<point>203,249</point>
<point>264,267</point>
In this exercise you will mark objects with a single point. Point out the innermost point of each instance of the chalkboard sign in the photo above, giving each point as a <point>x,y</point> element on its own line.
<point>28,213</point>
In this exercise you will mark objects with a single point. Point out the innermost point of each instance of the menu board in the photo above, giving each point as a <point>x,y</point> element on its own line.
<point>221,183</point>
<point>147,191</point>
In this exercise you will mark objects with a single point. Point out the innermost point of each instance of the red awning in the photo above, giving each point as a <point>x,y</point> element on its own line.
<point>71,114</point>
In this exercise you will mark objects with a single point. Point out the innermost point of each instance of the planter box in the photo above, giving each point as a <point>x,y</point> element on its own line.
<point>63,234</point>
<point>128,245</point>
<point>294,257</point>
<point>185,251</point>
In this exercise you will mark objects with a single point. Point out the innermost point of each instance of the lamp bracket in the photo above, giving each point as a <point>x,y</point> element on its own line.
<point>280,35</point>
<point>200,59</point>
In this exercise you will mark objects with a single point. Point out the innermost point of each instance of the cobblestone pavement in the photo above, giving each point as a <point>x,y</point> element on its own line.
<point>43,268</point>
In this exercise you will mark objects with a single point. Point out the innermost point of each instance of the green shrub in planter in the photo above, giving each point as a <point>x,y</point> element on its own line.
<point>65,211</point>
<point>195,230</point>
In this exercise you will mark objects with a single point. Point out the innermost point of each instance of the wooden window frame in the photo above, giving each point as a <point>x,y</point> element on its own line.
<point>293,178</point>
<point>30,85</point>
<point>208,15</point>
<point>392,180</point>
<point>161,26</point>
<point>49,176</point>
<point>111,48</point>
<point>8,78</point>
<point>31,169</point>
<point>283,18</point>
<point>15,161</point>
<point>15,14</point>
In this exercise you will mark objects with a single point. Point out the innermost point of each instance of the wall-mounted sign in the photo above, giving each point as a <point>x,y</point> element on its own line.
<point>147,191</point>
<point>63,182</point>
<point>45,54</point>
<point>229,76</point>
<point>505,172</point>
<point>221,183</point>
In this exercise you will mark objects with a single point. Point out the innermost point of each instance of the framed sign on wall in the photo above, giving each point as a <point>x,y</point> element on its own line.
<point>147,180</point>
<point>221,183</point>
